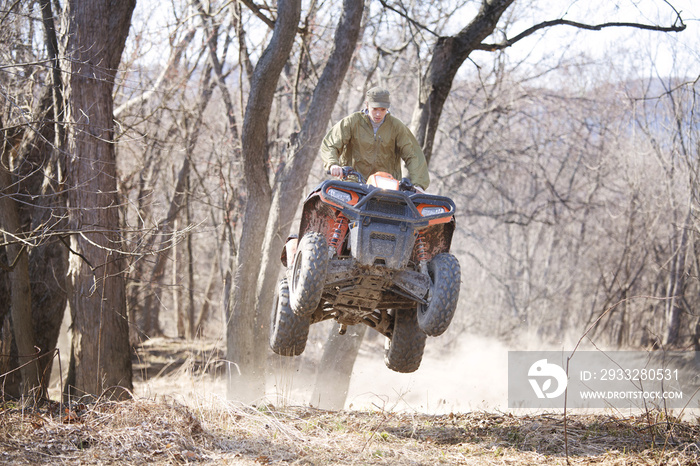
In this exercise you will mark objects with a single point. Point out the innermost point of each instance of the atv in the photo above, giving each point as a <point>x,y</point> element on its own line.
<point>373,253</point>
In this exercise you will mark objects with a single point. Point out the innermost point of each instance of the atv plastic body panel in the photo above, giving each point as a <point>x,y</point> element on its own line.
<point>377,268</point>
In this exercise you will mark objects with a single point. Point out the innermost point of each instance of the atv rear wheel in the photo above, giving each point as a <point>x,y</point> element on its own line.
<point>308,274</point>
<point>288,331</point>
<point>403,352</point>
<point>445,276</point>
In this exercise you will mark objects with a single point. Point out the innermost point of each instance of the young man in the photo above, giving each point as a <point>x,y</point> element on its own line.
<point>373,140</point>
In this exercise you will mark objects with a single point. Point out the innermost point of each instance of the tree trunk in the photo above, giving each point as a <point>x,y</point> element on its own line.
<point>37,169</point>
<point>676,288</point>
<point>448,55</point>
<point>244,332</point>
<point>20,288</point>
<point>208,297</point>
<point>190,270</point>
<point>100,354</point>
<point>333,378</point>
<point>176,291</point>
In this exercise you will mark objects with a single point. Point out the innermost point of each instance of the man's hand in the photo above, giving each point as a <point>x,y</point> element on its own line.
<point>336,170</point>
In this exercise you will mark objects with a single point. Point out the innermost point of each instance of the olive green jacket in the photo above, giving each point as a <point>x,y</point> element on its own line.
<point>351,142</point>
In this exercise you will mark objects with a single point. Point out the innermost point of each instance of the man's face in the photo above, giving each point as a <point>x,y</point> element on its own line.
<point>377,114</point>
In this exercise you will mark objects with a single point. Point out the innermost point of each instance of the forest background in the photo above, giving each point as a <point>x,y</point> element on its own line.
<point>571,153</point>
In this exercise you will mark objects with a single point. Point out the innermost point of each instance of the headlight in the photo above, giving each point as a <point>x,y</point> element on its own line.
<point>383,181</point>
<point>340,195</point>
<point>432,210</point>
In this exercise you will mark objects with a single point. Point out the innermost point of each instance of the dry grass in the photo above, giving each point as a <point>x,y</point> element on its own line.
<point>147,431</point>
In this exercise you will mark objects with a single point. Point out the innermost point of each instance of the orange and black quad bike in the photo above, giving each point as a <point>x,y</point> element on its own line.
<point>375,253</point>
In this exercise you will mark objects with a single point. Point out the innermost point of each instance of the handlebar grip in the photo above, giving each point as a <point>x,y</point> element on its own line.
<point>349,171</point>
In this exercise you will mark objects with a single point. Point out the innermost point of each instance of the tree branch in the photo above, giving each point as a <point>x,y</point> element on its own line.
<point>175,55</point>
<point>408,18</point>
<point>72,251</point>
<point>591,27</point>
<point>255,9</point>
<point>258,12</point>
<point>9,268</point>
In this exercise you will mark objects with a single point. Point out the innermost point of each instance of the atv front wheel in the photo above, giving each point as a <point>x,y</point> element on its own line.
<point>288,331</point>
<point>445,276</point>
<point>403,352</point>
<point>308,274</point>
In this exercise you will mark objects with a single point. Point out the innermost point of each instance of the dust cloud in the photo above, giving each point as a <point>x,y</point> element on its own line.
<point>470,373</point>
<point>471,376</point>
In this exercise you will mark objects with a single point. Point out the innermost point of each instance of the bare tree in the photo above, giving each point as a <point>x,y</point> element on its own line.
<point>674,144</point>
<point>246,381</point>
<point>36,168</point>
<point>20,287</point>
<point>100,358</point>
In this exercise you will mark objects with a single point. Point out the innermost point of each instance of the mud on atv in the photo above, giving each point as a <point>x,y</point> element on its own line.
<point>374,253</point>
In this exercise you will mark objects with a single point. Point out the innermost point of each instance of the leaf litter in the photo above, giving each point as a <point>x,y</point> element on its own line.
<point>144,431</point>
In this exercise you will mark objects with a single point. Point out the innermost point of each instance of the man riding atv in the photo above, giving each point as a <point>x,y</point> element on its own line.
<point>374,253</point>
<point>373,140</point>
